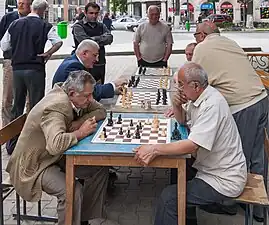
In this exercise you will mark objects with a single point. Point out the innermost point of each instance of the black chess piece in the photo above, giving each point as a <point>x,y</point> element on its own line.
<point>144,71</point>
<point>131,123</point>
<point>111,115</point>
<point>137,82</point>
<point>176,134</point>
<point>140,69</point>
<point>137,133</point>
<point>119,119</point>
<point>128,135</point>
<point>130,83</point>
<point>164,101</point>
<point>105,135</point>
<point>120,131</point>
<point>104,129</point>
<point>109,122</point>
<point>140,125</point>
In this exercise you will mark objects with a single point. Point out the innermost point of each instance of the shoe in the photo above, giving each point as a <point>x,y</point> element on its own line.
<point>220,209</point>
<point>84,223</point>
<point>191,222</point>
<point>259,219</point>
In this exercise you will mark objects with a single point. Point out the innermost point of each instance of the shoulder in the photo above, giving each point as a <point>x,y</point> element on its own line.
<point>163,25</point>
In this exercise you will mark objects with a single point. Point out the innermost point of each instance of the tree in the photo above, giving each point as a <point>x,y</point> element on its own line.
<point>119,5</point>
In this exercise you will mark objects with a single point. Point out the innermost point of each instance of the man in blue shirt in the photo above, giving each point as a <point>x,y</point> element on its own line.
<point>84,59</point>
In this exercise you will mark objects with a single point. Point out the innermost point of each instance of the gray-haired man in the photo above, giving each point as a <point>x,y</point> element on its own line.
<point>214,140</point>
<point>44,139</point>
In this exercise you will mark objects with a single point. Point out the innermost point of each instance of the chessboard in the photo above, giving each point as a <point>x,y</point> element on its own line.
<point>154,71</point>
<point>139,99</point>
<point>134,131</point>
<point>146,83</point>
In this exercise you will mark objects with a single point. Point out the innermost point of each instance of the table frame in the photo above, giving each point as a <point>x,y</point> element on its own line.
<point>73,160</point>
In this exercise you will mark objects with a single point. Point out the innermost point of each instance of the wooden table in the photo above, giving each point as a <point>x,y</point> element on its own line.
<point>87,153</point>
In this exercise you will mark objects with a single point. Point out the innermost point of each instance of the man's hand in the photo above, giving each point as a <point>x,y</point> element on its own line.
<point>75,125</point>
<point>169,113</point>
<point>46,56</point>
<point>88,127</point>
<point>119,83</point>
<point>145,154</point>
<point>179,97</point>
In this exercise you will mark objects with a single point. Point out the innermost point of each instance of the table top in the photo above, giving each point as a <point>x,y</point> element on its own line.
<point>86,147</point>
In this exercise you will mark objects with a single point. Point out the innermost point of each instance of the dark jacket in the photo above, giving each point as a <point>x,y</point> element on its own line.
<point>108,22</point>
<point>4,24</point>
<point>72,64</point>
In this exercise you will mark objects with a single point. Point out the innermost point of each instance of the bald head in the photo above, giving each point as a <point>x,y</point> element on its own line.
<point>205,29</point>
<point>153,14</point>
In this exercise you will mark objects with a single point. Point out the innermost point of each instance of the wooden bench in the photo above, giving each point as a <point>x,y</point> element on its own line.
<point>255,191</point>
<point>7,133</point>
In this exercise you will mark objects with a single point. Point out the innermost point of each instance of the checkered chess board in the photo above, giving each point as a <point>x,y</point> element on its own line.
<point>152,83</point>
<point>138,97</point>
<point>148,135</point>
<point>155,71</point>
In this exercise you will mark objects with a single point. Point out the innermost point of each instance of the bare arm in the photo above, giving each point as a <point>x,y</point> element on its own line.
<point>137,39</point>
<point>169,44</point>
<point>179,113</point>
<point>137,51</point>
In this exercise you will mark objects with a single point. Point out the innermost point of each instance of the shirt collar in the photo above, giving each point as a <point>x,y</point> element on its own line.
<point>79,60</point>
<point>91,24</point>
<point>33,14</point>
<point>204,96</point>
<point>75,108</point>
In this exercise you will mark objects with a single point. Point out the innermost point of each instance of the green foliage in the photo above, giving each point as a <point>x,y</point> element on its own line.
<point>119,5</point>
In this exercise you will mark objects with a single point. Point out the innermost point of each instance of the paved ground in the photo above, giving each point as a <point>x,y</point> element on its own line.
<point>137,189</point>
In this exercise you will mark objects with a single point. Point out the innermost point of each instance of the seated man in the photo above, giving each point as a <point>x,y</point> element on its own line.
<point>37,163</point>
<point>214,140</point>
<point>83,59</point>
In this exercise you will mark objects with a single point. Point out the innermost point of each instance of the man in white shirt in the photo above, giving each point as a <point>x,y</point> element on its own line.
<point>214,141</point>
<point>230,72</point>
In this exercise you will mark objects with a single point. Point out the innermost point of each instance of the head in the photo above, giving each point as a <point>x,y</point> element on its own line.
<point>79,10</point>
<point>92,11</point>
<point>153,14</point>
<point>204,29</point>
<point>193,80</point>
<point>189,50</point>
<point>107,15</point>
<point>39,7</point>
<point>79,87</point>
<point>88,52</point>
<point>24,7</point>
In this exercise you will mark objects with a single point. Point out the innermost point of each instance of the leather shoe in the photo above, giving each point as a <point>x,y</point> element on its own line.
<point>84,223</point>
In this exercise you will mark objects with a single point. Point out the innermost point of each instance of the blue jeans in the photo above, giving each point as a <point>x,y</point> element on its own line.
<point>198,193</point>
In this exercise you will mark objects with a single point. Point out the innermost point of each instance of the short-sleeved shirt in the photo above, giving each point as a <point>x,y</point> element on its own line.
<point>219,160</point>
<point>153,40</point>
<point>229,71</point>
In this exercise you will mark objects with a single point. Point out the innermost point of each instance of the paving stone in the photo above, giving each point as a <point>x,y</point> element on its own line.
<point>112,214</point>
<point>145,206</point>
<point>131,207</point>
<point>101,221</point>
<point>128,216</point>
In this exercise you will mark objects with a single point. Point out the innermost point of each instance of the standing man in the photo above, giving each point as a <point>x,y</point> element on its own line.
<point>27,38</point>
<point>153,41</point>
<point>90,28</point>
<point>7,98</point>
<point>231,73</point>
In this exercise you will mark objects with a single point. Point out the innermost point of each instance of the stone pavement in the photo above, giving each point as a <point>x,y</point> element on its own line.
<point>137,189</point>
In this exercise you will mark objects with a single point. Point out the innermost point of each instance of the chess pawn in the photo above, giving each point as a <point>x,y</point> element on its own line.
<point>148,122</point>
<point>102,136</point>
<point>163,132</point>
<point>142,104</point>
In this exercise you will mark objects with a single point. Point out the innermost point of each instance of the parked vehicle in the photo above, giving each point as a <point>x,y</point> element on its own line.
<point>120,24</point>
<point>133,26</point>
<point>218,18</point>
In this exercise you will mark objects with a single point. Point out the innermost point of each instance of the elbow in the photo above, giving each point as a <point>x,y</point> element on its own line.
<point>59,44</point>
<point>102,114</point>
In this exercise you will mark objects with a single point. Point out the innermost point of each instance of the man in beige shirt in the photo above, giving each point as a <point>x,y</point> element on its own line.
<point>153,41</point>
<point>231,73</point>
<point>38,163</point>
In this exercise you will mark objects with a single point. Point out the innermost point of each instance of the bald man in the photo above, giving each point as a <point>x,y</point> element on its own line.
<point>153,41</point>
<point>231,73</point>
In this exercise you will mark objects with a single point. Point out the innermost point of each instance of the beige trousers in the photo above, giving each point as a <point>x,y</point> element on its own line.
<point>89,198</point>
<point>7,97</point>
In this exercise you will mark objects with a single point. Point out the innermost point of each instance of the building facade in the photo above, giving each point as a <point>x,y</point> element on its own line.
<point>259,8</point>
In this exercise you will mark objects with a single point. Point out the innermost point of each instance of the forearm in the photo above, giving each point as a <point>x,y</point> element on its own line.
<point>168,52</point>
<point>176,148</point>
<point>137,50</point>
<point>179,113</point>
<point>54,48</point>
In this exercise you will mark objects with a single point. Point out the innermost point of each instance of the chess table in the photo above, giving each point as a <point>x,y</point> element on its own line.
<point>107,154</point>
<point>154,71</point>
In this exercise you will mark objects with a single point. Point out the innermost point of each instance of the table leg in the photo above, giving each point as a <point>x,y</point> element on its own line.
<point>70,181</point>
<point>181,185</point>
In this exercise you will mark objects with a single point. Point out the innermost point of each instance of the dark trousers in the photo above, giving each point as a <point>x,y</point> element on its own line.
<point>158,64</point>
<point>251,123</point>
<point>98,72</point>
<point>198,193</point>
<point>32,81</point>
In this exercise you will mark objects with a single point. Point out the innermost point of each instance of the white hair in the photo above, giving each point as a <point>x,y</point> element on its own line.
<point>86,45</point>
<point>39,4</point>
<point>194,72</point>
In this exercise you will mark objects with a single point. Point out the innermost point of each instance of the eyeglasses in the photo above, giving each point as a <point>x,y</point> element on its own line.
<point>196,33</point>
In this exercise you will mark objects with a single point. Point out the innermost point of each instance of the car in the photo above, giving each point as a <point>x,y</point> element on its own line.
<point>218,18</point>
<point>120,24</point>
<point>133,26</point>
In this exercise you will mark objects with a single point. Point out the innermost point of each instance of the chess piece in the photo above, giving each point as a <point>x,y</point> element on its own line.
<point>119,119</point>
<point>105,135</point>
<point>128,135</point>
<point>131,123</point>
<point>102,136</point>
<point>120,131</point>
<point>137,82</point>
<point>110,122</point>
<point>140,125</point>
<point>104,129</point>
<point>137,133</point>
<point>148,122</point>
<point>163,132</point>
<point>143,104</point>
<point>130,83</point>
<point>176,134</point>
<point>148,105</point>
<point>111,114</point>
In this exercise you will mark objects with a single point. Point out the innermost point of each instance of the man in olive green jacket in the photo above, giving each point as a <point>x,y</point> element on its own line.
<point>65,115</point>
